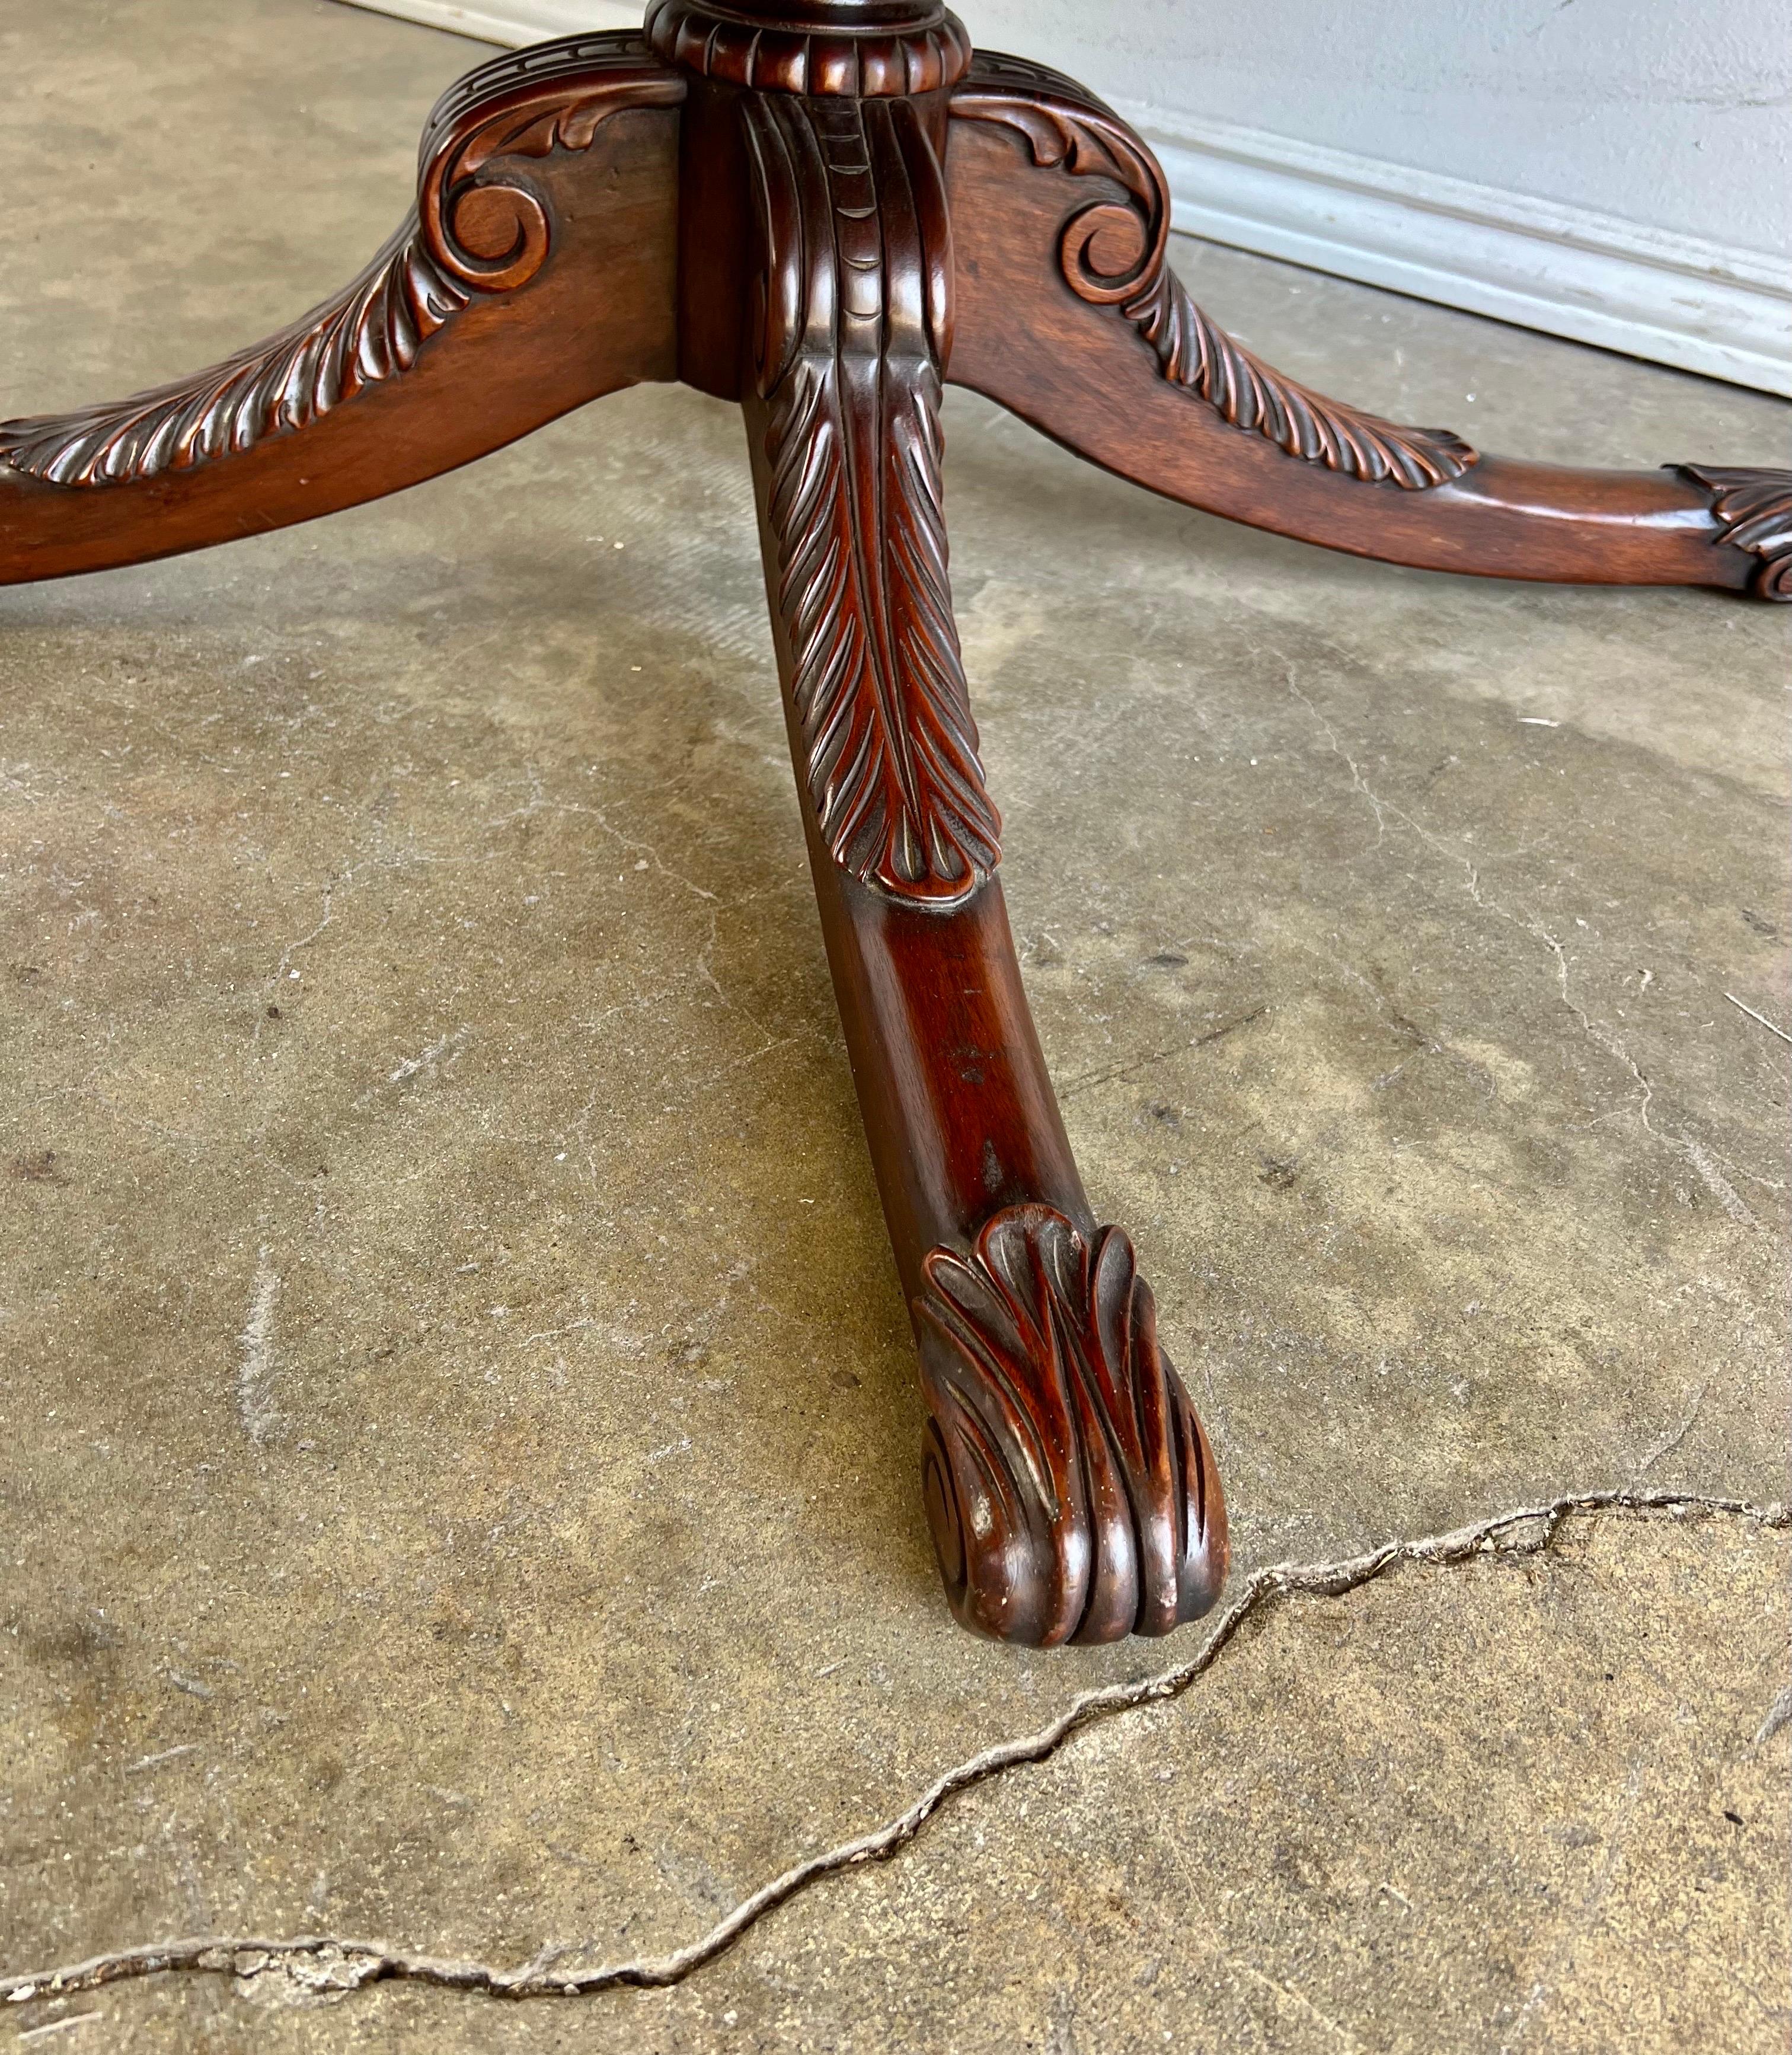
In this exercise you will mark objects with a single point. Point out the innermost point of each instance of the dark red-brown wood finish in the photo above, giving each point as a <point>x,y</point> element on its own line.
<point>822,210</point>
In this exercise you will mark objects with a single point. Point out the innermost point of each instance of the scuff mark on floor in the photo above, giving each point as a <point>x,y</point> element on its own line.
<point>1779,1715</point>
<point>441,1048</point>
<point>313,1964</point>
<point>255,1370</point>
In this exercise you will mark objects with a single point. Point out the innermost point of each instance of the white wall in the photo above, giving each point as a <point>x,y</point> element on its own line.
<point>1618,171</point>
<point>1672,114</point>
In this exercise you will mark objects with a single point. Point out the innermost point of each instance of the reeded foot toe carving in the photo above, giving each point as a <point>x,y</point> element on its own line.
<point>1753,509</point>
<point>1071,1492</point>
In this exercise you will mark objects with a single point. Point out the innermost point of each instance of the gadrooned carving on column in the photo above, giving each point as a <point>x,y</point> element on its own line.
<point>919,55</point>
<point>1753,511</point>
<point>1067,129</point>
<point>856,298</point>
<point>477,228</point>
<point>1072,1493</point>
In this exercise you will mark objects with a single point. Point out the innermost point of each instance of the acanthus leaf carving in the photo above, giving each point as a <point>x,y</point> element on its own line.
<point>1066,129</point>
<point>472,232</point>
<point>856,312</point>
<point>371,330</point>
<point>1753,509</point>
<point>1071,1491</point>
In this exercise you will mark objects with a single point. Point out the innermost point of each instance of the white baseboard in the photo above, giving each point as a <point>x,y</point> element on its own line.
<point>1672,299</point>
<point>512,22</point>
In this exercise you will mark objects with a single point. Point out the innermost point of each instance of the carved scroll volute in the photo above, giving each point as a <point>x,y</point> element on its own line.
<point>485,225</point>
<point>1071,1492</point>
<point>850,330</point>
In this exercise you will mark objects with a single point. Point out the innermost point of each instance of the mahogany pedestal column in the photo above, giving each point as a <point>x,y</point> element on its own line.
<point>822,211</point>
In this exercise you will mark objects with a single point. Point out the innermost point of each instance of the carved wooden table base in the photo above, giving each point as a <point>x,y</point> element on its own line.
<point>822,210</point>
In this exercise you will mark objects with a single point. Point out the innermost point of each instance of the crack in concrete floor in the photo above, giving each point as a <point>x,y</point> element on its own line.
<point>314,1964</point>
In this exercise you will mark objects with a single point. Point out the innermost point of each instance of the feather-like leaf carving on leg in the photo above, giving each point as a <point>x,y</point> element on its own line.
<point>474,231</point>
<point>1067,129</point>
<point>852,442</point>
<point>370,331</point>
<point>890,744</point>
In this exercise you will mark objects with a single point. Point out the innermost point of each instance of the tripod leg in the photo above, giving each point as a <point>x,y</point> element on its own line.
<point>1071,1492</point>
<point>1070,316</point>
<point>537,271</point>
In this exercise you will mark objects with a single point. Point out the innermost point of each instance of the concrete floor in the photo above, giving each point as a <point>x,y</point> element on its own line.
<point>459,1437</point>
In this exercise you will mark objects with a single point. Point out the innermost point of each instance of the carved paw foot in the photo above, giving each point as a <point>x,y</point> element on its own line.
<point>1071,1492</point>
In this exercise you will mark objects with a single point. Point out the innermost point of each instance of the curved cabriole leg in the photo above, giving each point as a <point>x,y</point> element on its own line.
<point>1070,1490</point>
<point>537,271</point>
<point>1070,315</point>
